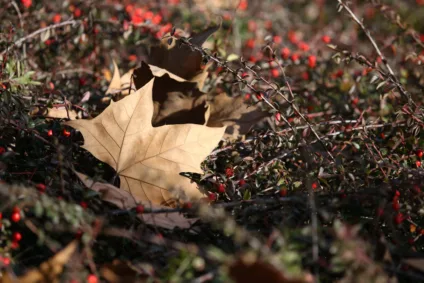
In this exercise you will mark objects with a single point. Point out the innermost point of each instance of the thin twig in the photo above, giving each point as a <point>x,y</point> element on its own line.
<point>383,58</point>
<point>39,31</point>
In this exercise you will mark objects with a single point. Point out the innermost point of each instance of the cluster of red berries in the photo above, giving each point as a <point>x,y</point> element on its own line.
<point>65,133</point>
<point>419,153</point>
<point>285,52</point>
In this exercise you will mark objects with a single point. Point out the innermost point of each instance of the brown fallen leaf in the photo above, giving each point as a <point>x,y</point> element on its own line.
<point>417,263</point>
<point>179,102</point>
<point>180,59</point>
<point>54,113</point>
<point>120,84</point>
<point>235,114</point>
<point>121,272</point>
<point>125,200</point>
<point>258,271</point>
<point>50,270</point>
<point>148,160</point>
<point>176,101</point>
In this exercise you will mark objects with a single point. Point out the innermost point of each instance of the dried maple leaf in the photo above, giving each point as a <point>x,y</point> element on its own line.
<point>176,101</point>
<point>118,84</point>
<point>125,200</point>
<point>147,159</point>
<point>233,113</point>
<point>180,59</point>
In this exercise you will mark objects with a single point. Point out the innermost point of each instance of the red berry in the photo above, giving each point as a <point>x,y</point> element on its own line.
<point>41,187</point>
<point>419,153</point>
<point>305,76</point>
<point>242,182</point>
<point>250,43</point>
<point>398,218</point>
<point>1,215</point>
<point>247,96</point>
<point>277,39</point>
<point>396,205</point>
<point>139,209</point>
<point>188,205</point>
<point>268,24</point>
<point>285,53</point>
<point>355,101</point>
<point>26,3</point>
<point>77,12</point>
<point>15,217</point>
<point>397,193</point>
<point>295,57</point>
<point>92,278</point>
<point>303,46</point>
<point>14,245</point>
<point>57,18</point>
<point>251,26</point>
<point>312,61</point>
<point>314,185</point>
<point>2,150</point>
<point>157,19</point>
<point>16,236</point>
<point>83,204</point>
<point>283,192</point>
<point>50,133</point>
<point>275,73</point>
<point>66,133</point>
<point>221,188</point>
<point>229,172</point>
<point>6,261</point>
<point>278,116</point>
<point>326,39</point>
<point>78,234</point>
<point>292,36</point>
<point>212,197</point>
<point>418,163</point>
<point>242,5</point>
<point>259,96</point>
